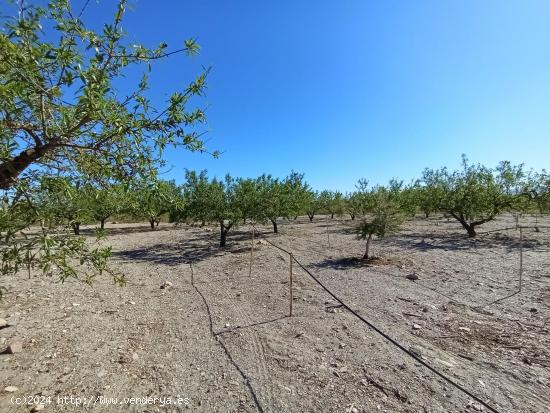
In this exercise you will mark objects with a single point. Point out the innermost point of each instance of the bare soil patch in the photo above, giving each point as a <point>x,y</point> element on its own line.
<point>225,341</point>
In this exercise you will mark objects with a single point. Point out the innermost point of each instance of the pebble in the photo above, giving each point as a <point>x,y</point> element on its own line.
<point>3,323</point>
<point>11,389</point>
<point>37,408</point>
<point>464,329</point>
<point>166,284</point>
<point>413,276</point>
<point>416,327</point>
<point>15,347</point>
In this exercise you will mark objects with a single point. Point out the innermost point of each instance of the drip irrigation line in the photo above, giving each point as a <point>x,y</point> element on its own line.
<point>384,335</point>
<point>223,346</point>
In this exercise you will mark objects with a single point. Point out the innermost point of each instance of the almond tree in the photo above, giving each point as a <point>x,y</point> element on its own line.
<point>106,200</point>
<point>353,204</point>
<point>274,200</point>
<point>332,202</point>
<point>312,204</point>
<point>213,201</point>
<point>63,113</point>
<point>475,194</point>
<point>153,198</point>
<point>385,216</point>
<point>537,188</point>
<point>64,203</point>
<point>298,193</point>
<point>247,198</point>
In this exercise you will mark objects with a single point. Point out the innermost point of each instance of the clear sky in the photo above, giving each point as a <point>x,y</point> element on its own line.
<point>347,89</point>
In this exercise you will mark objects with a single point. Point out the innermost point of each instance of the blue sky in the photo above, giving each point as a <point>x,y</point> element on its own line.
<point>341,90</point>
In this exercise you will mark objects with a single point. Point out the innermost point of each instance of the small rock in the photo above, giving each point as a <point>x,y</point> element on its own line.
<point>227,325</point>
<point>533,310</point>
<point>38,408</point>
<point>342,345</point>
<point>167,284</point>
<point>416,327</point>
<point>135,356</point>
<point>15,347</point>
<point>464,329</point>
<point>413,276</point>
<point>11,389</point>
<point>3,323</point>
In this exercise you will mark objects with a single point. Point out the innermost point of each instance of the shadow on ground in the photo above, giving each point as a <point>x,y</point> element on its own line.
<point>198,248</point>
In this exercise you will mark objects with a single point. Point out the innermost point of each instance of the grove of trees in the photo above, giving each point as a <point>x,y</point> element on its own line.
<point>76,149</point>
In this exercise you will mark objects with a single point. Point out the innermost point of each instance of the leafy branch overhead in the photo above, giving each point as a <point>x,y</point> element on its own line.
<point>72,137</point>
<point>60,107</point>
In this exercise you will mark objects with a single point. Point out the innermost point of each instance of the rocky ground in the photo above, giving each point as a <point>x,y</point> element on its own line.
<point>193,332</point>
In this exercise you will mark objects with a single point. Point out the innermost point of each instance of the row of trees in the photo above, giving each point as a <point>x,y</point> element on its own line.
<point>472,195</point>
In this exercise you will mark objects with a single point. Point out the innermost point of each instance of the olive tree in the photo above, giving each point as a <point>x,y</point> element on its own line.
<point>63,112</point>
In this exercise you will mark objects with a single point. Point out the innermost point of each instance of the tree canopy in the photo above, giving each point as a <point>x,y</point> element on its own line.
<point>63,116</point>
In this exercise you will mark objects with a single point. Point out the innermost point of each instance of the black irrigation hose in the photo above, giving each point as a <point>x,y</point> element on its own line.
<point>223,346</point>
<point>387,337</point>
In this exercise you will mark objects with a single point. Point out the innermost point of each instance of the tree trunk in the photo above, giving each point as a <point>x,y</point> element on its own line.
<point>332,215</point>
<point>102,223</point>
<point>12,168</point>
<point>366,256</point>
<point>152,223</point>
<point>274,222</point>
<point>426,214</point>
<point>352,216</point>
<point>295,217</point>
<point>310,217</point>
<point>471,231</point>
<point>223,234</point>
<point>76,228</point>
<point>203,223</point>
<point>157,222</point>
<point>470,228</point>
